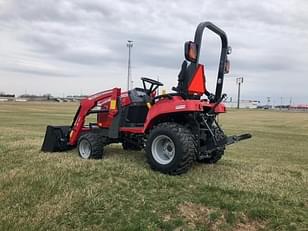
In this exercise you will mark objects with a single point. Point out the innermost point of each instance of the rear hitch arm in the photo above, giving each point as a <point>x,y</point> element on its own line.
<point>235,138</point>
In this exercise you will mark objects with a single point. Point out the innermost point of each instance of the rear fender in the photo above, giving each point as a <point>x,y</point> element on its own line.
<point>170,108</point>
<point>175,106</point>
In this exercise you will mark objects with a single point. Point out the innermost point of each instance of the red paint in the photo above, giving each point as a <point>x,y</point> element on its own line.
<point>178,105</point>
<point>86,105</point>
<point>125,100</point>
<point>135,130</point>
<point>105,100</point>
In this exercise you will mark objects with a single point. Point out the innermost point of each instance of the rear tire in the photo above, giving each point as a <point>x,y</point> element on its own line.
<point>215,156</point>
<point>170,148</point>
<point>90,146</point>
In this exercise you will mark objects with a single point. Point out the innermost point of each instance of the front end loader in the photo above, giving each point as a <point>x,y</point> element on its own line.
<point>174,129</point>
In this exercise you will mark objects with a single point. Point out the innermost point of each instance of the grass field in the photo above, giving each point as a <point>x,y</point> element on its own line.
<point>260,184</point>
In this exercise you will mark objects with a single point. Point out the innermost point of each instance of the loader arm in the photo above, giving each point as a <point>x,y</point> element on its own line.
<point>86,105</point>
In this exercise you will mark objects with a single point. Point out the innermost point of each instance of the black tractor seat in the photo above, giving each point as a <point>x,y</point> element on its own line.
<point>138,95</point>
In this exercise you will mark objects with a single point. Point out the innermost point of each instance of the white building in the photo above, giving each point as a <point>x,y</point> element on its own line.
<point>250,104</point>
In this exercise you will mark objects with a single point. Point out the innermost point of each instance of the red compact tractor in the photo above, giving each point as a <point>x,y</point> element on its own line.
<point>174,129</point>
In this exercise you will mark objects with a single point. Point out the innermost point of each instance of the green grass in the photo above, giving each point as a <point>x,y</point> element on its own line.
<point>260,183</point>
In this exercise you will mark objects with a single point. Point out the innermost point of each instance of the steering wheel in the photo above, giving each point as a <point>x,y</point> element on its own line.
<point>152,81</point>
<point>154,85</point>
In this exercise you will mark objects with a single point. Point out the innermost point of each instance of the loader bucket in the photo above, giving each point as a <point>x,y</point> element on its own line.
<point>56,139</point>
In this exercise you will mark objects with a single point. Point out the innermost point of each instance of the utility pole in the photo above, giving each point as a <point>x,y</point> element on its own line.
<point>239,81</point>
<point>129,81</point>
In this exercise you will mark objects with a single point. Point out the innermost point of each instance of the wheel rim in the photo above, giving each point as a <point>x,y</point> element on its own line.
<point>85,149</point>
<point>163,149</point>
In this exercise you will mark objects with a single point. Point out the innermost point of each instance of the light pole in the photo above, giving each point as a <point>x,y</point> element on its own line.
<point>239,81</point>
<point>129,81</point>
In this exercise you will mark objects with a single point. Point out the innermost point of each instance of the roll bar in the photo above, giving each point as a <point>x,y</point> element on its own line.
<point>223,54</point>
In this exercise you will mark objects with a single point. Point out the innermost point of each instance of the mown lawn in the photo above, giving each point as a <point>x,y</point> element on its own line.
<point>260,184</point>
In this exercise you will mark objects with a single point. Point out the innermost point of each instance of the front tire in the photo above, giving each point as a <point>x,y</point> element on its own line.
<point>170,148</point>
<point>90,146</point>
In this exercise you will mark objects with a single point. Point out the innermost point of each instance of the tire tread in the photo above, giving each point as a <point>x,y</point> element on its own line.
<point>189,150</point>
<point>97,144</point>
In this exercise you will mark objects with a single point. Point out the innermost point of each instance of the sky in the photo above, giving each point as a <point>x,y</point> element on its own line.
<point>72,47</point>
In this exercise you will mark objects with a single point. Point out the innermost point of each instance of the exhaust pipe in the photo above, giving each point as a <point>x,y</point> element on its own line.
<point>56,139</point>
